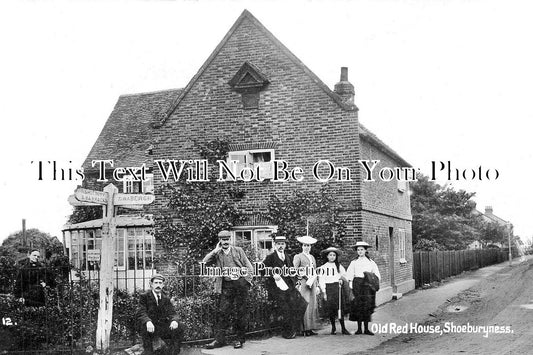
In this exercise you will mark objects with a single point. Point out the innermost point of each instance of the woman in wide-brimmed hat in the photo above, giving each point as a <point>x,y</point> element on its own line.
<point>308,285</point>
<point>330,280</point>
<point>364,275</point>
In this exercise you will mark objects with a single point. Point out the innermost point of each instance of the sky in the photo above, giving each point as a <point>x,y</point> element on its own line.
<point>446,81</point>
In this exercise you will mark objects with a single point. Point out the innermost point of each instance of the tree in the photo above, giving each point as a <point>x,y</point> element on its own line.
<point>442,217</point>
<point>493,232</point>
<point>14,246</point>
<point>85,213</point>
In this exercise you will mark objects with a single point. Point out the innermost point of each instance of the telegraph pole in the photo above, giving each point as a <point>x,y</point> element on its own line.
<point>509,241</point>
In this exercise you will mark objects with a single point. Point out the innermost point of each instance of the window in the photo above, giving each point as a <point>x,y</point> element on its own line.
<point>136,187</point>
<point>402,186</point>
<point>258,238</point>
<point>263,242</point>
<point>134,248</point>
<point>243,237</point>
<point>401,245</point>
<point>81,242</point>
<point>259,159</point>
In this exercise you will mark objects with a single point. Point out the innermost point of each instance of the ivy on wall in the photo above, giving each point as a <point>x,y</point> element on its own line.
<point>318,209</point>
<point>196,212</point>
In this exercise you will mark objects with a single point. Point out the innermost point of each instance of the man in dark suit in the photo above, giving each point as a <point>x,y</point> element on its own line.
<point>157,319</point>
<point>31,280</point>
<point>282,289</point>
<point>233,290</point>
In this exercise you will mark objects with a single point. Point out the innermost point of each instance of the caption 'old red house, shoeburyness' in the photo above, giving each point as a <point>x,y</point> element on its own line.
<point>253,92</point>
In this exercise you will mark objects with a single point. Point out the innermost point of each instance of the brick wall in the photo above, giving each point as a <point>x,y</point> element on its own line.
<point>295,114</point>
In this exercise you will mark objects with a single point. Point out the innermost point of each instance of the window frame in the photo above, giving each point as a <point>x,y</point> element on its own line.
<point>145,187</point>
<point>259,252</point>
<point>402,237</point>
<point>248,162</point>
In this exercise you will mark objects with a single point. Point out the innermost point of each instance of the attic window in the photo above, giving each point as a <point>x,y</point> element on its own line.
<point>249,82</point>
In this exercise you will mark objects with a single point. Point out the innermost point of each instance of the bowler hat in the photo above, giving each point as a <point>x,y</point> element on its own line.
<point>157,276</point>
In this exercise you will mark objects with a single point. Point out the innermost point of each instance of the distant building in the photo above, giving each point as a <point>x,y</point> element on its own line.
<point>490,217</point>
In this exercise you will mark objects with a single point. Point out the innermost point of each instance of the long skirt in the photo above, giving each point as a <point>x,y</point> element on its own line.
<point>332,302</point>
<point>364,301</point>
<point>310,319</point>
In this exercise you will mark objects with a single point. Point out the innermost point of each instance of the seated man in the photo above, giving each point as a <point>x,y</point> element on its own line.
<point>158,319</point>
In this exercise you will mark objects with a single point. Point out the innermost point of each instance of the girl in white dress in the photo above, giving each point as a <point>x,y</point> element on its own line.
<point>330,280</point>
<point>364,301</point>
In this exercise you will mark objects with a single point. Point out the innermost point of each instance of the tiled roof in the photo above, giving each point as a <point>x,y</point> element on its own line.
<point>372,138</point>
<point>127,134</point>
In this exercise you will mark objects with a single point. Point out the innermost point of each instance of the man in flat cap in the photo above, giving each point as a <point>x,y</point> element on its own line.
<point>233,289</point>
<point>157,319</point>
<point>282,289</point>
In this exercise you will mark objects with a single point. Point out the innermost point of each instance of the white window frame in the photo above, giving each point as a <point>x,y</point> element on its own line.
<point>146,187</point>
<point>402,185</point>
<point>255,230</point>
<point>145,235</point>
<point>402,245</point>
<point>266,169</point>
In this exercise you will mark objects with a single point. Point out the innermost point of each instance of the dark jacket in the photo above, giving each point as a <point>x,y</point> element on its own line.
<point>149,310</point>
<point>371,280</point>
<point>28,283</point>
<point>239,257</point>
<point>272,260</point>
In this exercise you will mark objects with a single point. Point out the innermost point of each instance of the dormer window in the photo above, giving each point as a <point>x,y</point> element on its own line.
<point>249,82</point>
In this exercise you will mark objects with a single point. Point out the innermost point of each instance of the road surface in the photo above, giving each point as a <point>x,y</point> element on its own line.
<point>493,317</point>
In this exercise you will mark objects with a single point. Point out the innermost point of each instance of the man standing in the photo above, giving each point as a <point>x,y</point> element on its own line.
<point>232,287</point>
<point>31,281</point>
<point>282,289</point>
<point>158,319</point>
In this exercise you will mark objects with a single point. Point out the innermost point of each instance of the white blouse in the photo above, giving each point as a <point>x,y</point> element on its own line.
<point>358,266</point>
<point>328,274</point>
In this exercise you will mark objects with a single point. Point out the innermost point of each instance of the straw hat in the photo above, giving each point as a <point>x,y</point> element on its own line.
<point>332,249</point>
<point>362,244</point>
<point>306,239</point>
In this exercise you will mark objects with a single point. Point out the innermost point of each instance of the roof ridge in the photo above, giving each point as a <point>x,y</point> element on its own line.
<point>372,136</point>
<point>150,92</point>
<point>247,15</point>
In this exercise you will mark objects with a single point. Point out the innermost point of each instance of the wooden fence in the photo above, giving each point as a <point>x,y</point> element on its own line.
<point>430,266</point>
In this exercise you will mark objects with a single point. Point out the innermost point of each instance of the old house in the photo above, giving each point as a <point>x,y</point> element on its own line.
<point>253,92</point>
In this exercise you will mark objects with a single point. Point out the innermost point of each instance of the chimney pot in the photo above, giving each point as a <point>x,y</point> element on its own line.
<point>344,88</point>
<point>344,73</point>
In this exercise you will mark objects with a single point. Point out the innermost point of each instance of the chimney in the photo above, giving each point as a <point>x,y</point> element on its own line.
<point>488,210</point>
<point>344,88</point>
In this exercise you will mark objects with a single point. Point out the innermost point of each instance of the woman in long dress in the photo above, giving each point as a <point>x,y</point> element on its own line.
<point>362,286</point>
<point>308,285</point>
<point>330,280</point>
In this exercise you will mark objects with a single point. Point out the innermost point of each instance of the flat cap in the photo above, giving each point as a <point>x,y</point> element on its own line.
<point>157,276</point>
<point>224,234</point>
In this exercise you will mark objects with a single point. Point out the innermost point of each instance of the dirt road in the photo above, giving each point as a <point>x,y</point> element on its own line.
<point>493,317</point>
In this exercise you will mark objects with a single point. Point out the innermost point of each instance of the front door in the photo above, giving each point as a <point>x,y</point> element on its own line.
<point>391,258</point>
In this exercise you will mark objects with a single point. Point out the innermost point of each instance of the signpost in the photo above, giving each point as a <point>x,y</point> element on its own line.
<point>108,199</point>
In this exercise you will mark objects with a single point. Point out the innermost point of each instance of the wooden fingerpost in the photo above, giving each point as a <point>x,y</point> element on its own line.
<point>105,310</point>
